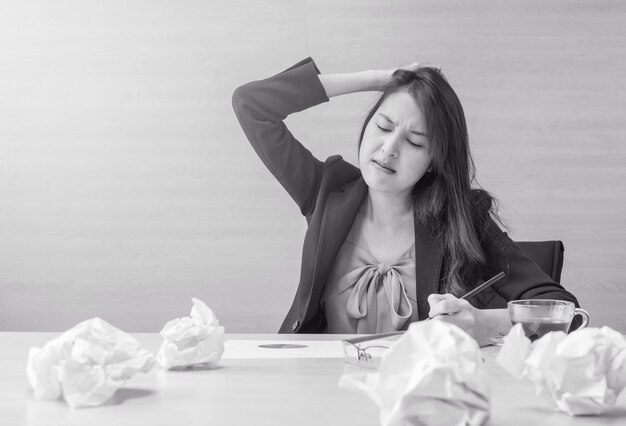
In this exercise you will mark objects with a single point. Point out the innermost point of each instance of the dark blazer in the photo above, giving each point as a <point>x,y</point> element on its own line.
<point>329,194</point>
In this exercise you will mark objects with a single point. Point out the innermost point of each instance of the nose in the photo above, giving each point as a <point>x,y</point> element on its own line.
<point>390,145</point>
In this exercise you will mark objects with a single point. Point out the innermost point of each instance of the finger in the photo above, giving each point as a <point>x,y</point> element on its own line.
<point>436,298</point>
<point>449,318</point>
<point>459,319</point>
<point>448,306</point>
<point>411,67</point>
<point>437,67</point>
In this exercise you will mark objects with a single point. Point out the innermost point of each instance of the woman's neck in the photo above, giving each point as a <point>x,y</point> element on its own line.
<point>388,211</point>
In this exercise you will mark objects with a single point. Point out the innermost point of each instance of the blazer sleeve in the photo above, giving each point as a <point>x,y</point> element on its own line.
<point>261,108</point>
<point>524,278</point>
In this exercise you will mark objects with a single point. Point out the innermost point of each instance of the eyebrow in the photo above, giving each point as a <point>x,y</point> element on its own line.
<point>392,122</point>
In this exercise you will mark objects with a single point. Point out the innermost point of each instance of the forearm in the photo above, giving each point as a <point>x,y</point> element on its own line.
<point>490,323</point>
<point>261,107</point>
<point>363,81</point>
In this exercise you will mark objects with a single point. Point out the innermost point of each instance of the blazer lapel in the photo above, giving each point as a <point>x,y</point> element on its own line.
<point>428,258</point>
<point>340,210</point>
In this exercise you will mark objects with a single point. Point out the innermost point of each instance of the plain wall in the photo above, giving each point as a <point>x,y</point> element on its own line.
<point>127,186</point>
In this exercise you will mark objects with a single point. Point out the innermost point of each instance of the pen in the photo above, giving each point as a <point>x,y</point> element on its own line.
<point>483,286</point>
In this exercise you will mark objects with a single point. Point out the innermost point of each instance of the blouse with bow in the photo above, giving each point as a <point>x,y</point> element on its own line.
<point>363,295</point>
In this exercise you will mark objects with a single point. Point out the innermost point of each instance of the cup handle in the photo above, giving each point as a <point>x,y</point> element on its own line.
<point>583,314</point>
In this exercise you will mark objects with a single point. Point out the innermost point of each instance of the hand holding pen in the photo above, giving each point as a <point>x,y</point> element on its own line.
<point>481,324</point>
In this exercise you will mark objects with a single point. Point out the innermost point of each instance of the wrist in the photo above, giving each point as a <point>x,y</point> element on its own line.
<point>483,327</point>
<point>360,81</point>
<point>381,78</point>
<point>490,323</point>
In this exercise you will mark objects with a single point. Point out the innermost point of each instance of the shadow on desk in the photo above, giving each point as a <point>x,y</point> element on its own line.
<point>124,394</point>
<point>545,411</point>
<point>197,367</point>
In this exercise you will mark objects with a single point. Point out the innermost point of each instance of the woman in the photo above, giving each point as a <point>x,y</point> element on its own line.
<point>403,236</point>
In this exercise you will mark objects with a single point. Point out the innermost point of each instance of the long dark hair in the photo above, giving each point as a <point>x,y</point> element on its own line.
<point>443,198</point>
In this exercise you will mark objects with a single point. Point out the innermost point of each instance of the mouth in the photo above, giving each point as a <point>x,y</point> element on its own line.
<point>384,169</point>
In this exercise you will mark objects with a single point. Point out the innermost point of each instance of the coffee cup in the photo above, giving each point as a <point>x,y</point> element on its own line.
<point>541,316</point>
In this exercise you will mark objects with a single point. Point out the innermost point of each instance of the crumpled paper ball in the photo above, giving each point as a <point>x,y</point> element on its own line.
<point>433,375</point>
<point>86,364</point>
<point>580,373</point>
<point>198,339</point>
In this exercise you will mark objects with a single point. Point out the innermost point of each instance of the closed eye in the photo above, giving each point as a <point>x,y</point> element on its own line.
<point>408,140</point>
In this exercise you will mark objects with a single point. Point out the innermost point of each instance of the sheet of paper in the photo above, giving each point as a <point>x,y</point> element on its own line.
<point>251,349</point>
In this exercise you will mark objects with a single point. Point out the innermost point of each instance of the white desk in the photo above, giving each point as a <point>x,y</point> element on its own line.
<point>248,392</point>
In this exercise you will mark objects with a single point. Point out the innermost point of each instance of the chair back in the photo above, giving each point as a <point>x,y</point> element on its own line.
<point>547,254</point>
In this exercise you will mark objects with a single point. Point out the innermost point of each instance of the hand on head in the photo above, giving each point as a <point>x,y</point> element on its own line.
<point>416,64</point>
<point>410,67</point>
